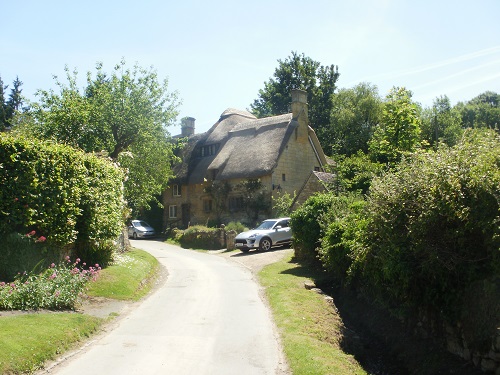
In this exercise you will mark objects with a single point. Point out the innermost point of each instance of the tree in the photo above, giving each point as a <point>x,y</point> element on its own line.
<point>441,123</point>
<point>3,106</point>
<point>123,115</point>
<point>15,101</point>
<point>399,129</point>
<point>483,111</point>
<point>219,191</point>
<point>299,72</point>
<point>255,198</point>
<point>355,113</point>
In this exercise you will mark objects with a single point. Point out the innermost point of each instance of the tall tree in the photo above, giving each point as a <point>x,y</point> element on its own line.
<point>299,72</point>
<point>123,114</point>
<point>441,123</point>
<point>399,130</point>
<point>3,106</point>
<point>355,113</point>
<point>15,101</point>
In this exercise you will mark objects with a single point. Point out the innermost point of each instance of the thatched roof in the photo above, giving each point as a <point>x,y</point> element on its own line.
<point>247,147</point>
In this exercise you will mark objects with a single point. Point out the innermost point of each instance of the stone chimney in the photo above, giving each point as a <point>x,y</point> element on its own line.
<point>299,104</point>
<point>187,126</point>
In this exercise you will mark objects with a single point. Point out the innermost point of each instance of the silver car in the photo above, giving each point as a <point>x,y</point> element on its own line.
<point>270,232</point>
<point>140,229</point>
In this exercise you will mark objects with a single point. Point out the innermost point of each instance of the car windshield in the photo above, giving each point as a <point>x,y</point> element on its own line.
<point>266,225</point>
<point>140,224</point>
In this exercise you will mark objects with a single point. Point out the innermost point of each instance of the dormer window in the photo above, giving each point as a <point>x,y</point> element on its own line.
<point>209,150</point>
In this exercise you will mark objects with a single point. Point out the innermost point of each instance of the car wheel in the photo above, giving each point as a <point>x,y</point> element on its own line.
<point>135,236</point>
<point>265,244</point>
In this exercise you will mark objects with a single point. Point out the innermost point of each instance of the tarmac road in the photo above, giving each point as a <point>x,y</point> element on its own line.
<point>207,318</point>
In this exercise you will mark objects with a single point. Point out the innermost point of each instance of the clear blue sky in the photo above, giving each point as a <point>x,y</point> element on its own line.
<point>218,54</point>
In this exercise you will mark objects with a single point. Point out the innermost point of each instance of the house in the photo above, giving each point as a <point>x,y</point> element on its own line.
<point>214,180</point>
<point>317,182</point>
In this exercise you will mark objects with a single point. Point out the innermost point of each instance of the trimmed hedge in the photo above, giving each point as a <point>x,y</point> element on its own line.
<point>62,197</point>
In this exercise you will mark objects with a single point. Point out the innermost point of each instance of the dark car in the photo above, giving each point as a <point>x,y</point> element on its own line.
<point>270,232</point>
<point>140,229</point>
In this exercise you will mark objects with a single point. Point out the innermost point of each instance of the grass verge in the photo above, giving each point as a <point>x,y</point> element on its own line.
<point>310,328</point>
<point>131,277</point>
<point>30,339</point>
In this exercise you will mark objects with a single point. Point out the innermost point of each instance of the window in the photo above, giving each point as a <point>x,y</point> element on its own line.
<point>235,204</point>
<point>172,212</point>
<point>207,205</point>
<point>209,150</point>
<point>176,191</point>
<point>283,177</point>
<point>316,169</point>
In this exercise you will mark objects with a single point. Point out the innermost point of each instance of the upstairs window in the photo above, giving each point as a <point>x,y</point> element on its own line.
<point>176,191</point>
<point>209,150</point>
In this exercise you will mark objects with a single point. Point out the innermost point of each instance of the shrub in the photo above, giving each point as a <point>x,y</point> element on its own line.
<point>433,223</point>
<point>200,237</point>
<point>68,197</point>
<point>345,224</point>
<point>58,287</point>
<point>306,225</point>
<point>236,226</point>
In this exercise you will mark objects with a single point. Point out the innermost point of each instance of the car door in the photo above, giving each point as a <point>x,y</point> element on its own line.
<point>283,233</point>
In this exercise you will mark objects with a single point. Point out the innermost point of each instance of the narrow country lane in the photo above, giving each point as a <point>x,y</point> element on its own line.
<point>207,318</point>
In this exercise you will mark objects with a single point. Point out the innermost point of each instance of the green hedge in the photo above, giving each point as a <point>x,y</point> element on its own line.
<point>433,224</point>
<point>62,197</point>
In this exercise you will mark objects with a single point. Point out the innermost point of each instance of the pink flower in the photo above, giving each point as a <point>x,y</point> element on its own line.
<point>57,293</point>
<point>77,260</point>
<point>52,265</point>
<point>41,239</point>
<point>53,276</point>
<point>16,199</point>
<point>67,257</point>
<point>32,233</point>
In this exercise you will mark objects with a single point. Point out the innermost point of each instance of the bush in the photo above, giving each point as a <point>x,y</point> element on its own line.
<point>65,196</point>
<point>345,225</point>
<point>306,225</point>
<point>432,226</point>
<point>200,237</point>
<point>236,226</point>
<point>58,287</point>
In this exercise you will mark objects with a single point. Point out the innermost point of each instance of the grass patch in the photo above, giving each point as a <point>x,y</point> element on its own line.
<point>28,340</point>
<point>130,277</point>
<point>310,328</point>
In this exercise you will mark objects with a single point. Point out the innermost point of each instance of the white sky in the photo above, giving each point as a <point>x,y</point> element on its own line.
<point>218,54</point>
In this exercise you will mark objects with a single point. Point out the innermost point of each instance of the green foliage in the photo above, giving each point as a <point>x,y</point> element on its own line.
<point>441,123</point>
<point>58,287</point>
<point>255,199</point>
<point>306,225</point>
<point>344,227</point>
<point>219,191</point>
<point>123,114</point>
<point>355,173</point>
<point>483,111</point>
<point>355,113</point>
<point>299,72</point>
<point>399,130</point>
<point>63,195</point>
<point>236,226</point>
<point>282,204</point>
<point>433,223</point>
<point>200,237</point>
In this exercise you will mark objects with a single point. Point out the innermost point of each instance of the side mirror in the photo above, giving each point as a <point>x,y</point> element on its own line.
<point>277,227</point>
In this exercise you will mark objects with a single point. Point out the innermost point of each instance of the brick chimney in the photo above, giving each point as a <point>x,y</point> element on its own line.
<point>299,104</point>
<point>187,126</point>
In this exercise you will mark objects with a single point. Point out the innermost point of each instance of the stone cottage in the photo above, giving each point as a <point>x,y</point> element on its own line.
<point>278,153</point>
